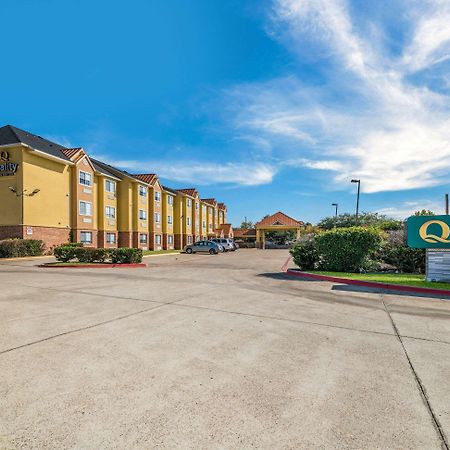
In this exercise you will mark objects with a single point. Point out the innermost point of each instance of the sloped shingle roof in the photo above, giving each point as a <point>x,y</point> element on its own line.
<point>192,192</point>
<point>210,201</point>
<point>244,232</point>
<point>280,218</point>
<point>13,135</point>
<point>148,178</point>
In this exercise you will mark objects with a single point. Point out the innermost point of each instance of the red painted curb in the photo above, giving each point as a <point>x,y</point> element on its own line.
<point>93,266</point>
<point>374,284</point>
<point>284,267</point>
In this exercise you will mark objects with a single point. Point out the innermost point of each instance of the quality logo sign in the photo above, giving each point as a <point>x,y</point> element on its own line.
<point>429,231</point>
<point>6,166</point>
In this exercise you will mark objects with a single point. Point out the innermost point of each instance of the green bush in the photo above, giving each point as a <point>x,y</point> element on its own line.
<point>90,254</point>
<point>394,251</point>
<point>305,253</point>
<point>346,249</point>
<point>125,255</point>
<point>74,244</point>
<point>14,248</point>
<point>64,253</point>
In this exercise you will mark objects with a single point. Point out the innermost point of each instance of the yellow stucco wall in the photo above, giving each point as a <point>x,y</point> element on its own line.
<point>168,210</point>
<point>125,205</point>
<point>10,204</point>
<point>50,207</point>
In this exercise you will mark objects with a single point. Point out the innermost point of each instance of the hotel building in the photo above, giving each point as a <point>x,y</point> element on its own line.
<point>60,194</point>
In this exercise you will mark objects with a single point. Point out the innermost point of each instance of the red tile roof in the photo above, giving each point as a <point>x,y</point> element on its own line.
<point>244,232</point>
<point>280,218</point>
<point>70,152</point>
<point>226,228</point>
<point>210,201</point>
<point>148,178</point>
<point>192,192</point>
<point>222,206</point>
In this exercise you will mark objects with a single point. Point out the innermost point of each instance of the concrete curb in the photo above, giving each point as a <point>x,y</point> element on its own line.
<point>92,266</point>
<point>162,254</point>
<point>373,284</point>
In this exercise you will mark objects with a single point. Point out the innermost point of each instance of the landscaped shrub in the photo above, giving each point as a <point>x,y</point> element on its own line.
<point>305,253</point>
<point>90,254</point>
<point>74,244</point>
<point>125,255</point>
<point>394,251</point>
<point>346,249</point>
<point>65,253</point>
<point>13,248</point>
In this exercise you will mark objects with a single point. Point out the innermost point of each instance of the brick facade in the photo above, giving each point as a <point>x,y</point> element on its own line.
<point>77,237</point>
<point>101,240</point>
<point>136,240</point>
<point>166,245</point>
<point>125,239</point>
<point>51,236</point>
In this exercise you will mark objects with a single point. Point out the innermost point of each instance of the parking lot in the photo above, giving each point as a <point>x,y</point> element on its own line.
<point>217,351</point>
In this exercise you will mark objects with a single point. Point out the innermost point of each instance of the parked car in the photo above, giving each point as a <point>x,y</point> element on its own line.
<point>213,248</point>
<point>226,243</point>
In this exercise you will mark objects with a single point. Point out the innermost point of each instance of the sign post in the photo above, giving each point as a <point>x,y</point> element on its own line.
<point>433,234</point>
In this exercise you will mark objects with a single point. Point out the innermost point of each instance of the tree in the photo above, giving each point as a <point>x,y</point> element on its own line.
<point>424,212</point>
<point>364,219</point>
<point>247,224</point>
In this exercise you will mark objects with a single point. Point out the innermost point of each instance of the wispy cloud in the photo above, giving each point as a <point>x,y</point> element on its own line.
<point>406,209</point>
<point>200,173</point>
<point>374,116</point>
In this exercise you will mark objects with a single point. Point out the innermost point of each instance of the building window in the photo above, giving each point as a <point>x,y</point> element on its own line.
<point>110,212</point>
<point>170,239</point>
<point>210,210</point>
<point>85,208</point>
<point>157,217</point>
<point>210,226</point>
<point>188,220</point>
<point>142,238</point>
<point>142,191</point>
<point>85,178</point>
<point>196,205</point>
<point>169,200</point>
<point>110,238</point>
<point>169,219</point>
<point>204,208</point>
<point>189,203</point>
<point>110,186</point>
<point>189,239</point>
<point>157,196</point>
<point>158,239</point>
<point>204,224</point>
<point>86,237</point>
<point>142,214</point>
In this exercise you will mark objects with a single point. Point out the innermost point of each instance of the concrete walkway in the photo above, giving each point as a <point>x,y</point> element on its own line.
<point>209,352</point>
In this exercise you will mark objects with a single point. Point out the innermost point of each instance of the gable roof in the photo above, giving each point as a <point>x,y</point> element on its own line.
<point>149,178</point>
<point>210,201</point>
<point>168,189</point>
<point>192,192</point>
<point>13,135</point>
<point>222,206</point>
<point>107,169</point>
<point>280,218</point>
<point>71,152</point>
<point>244,232</point>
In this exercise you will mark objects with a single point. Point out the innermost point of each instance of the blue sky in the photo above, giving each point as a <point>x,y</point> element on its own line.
<point>266,105</point>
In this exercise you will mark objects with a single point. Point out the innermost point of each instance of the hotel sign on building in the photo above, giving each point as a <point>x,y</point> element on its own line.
<point>7,167</point>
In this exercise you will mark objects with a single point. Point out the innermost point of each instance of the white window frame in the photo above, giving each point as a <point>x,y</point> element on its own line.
<point>108,185</point>
<point>85,233</point>
<point>158,239</point>
<point>85,173</point>
<point>170,239</point>
<point>142,214</point>
<point>142,190</point>
<point>157,217</point>
<point>204,224</point>
<point>196,205</point>
<point>85,213</point>
<point>108,236</point>
<point>188,221</point>
<point>141,238</point>
<point>170,200</point>
<point>110,209</point>
<point>189,203</point>
<point>169,220</point>
<point>157,196</point>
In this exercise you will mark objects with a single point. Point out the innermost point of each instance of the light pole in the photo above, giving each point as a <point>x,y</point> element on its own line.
<point>336,206</point>
<point>357,196</point>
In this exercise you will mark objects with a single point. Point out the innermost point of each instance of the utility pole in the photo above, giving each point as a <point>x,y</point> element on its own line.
<point>336,206</point>
<point>357,196</point>
<point>446,204</point>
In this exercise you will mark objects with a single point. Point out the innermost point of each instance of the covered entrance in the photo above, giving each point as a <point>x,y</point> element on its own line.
<point>276,222</point>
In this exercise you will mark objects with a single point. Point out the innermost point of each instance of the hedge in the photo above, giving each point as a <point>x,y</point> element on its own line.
<point>305,253</point>
<point>66,253</point>
<point>346,249</point>
<point>13,248</point>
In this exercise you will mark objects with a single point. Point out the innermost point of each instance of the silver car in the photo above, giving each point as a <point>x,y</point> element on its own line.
<point>227,244</point>
<point>213,248</point>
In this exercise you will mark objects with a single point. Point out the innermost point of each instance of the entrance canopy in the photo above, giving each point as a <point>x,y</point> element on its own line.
<point>276,222</point>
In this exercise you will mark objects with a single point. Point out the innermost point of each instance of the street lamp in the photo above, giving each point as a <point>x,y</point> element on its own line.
<point>357,196</point>
<point>336,206</point>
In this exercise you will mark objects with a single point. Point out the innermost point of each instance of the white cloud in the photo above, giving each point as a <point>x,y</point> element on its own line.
<point>368,119</point>
<point>406,209</point>
<point>200,173</point>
